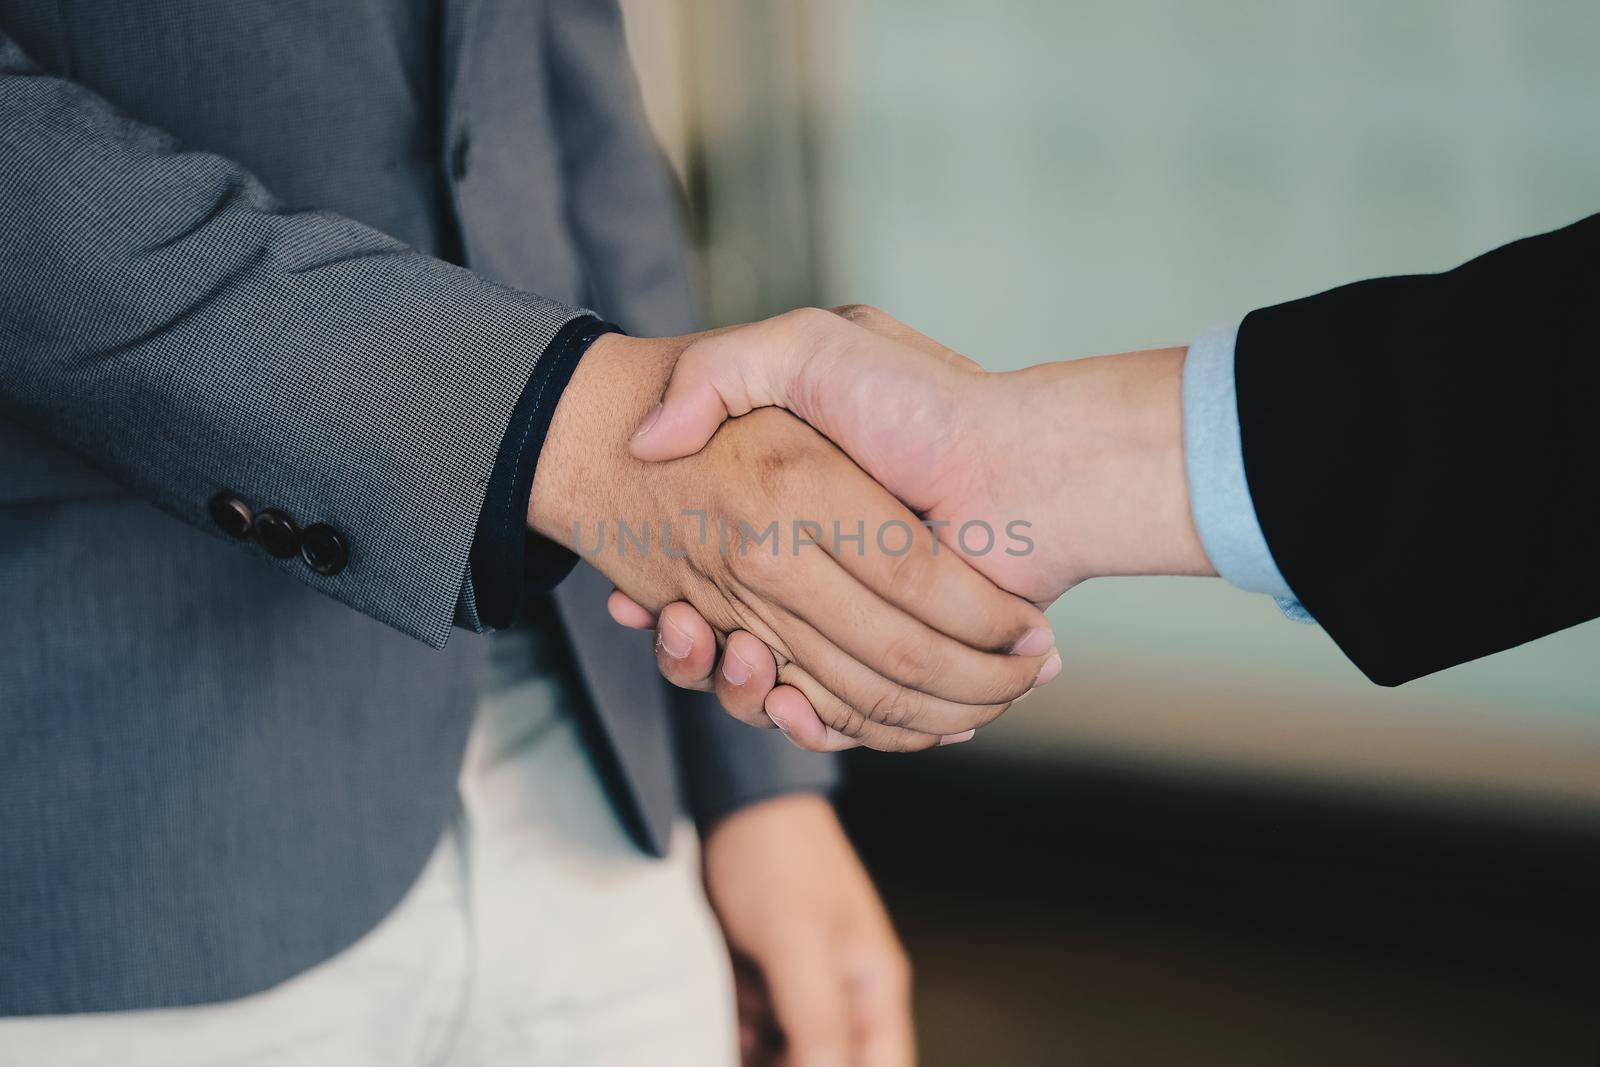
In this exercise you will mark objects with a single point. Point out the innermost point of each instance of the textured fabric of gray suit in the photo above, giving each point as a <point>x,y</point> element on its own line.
<point>217,272</point>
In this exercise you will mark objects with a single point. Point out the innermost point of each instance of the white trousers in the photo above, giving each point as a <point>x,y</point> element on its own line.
<point>537,935</point>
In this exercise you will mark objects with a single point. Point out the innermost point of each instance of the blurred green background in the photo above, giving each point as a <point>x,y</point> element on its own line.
<point>1029,180</point>
<point>1212,841</point>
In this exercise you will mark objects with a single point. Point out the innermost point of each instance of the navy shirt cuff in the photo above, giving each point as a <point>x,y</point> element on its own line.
<point>507,560</point>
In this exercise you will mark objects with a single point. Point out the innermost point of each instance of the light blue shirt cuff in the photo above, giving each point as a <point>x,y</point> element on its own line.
<point>1213,456</point>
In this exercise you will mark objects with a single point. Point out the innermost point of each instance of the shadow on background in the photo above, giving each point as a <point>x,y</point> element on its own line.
<point>1109,915</point>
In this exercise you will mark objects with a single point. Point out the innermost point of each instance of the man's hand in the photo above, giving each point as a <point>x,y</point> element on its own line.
<point>1083,459</point>
<point>822,980</point>
<point>894,651</point>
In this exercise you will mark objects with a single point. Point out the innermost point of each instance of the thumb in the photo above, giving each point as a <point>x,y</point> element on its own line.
<point>887,326</point>
<point>689,413</point>
<point>726,374</point>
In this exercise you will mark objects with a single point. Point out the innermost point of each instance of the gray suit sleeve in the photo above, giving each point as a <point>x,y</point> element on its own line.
<point>163,317</point>
<point>728,765</point>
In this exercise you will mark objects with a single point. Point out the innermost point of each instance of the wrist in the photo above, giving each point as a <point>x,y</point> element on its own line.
<point>763,838</point>
<point>584,463</point>
<point>1115,442</point>
<point>791,808</point>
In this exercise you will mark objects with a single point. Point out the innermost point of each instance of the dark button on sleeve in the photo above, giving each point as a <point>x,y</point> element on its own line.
<point>324,549</point>
<point>277,533</point>
<point>231,514</point>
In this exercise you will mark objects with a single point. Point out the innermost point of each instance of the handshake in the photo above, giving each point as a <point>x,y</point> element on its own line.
<point>868,565</point>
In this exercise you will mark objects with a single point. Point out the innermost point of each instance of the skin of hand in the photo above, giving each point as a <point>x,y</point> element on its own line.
<point>820,975</point>
<point>1089,453</point>
<point>921,641</point>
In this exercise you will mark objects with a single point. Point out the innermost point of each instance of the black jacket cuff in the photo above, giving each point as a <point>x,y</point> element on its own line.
<point>508,561</point>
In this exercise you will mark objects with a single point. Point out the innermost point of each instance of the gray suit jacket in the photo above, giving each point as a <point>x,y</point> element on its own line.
<point>218,272</point>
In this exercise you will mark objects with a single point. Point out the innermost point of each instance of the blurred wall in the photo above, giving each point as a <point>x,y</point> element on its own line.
<point>1122,174</point>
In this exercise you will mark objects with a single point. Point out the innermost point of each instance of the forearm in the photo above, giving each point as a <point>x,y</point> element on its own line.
<point>163,317</point>
<point>1403,436</point>
<point>1107,482</point>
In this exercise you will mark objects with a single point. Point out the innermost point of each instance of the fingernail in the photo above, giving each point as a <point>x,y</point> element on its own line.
<point>1047,673</point>
<point>649,421</point>
<point>735,669</point>
<point>675,639</point>
<point>956,739</point>
<point>1035,642</point>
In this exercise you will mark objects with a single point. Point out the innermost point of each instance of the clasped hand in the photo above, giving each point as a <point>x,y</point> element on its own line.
<point>888,639</point>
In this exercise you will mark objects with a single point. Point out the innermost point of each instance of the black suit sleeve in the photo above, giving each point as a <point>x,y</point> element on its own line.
<point>1424,453</point>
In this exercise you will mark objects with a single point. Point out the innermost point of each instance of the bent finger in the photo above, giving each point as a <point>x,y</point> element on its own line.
<point>629,612</point>
<point>875,697</point>
<point>862,625</point>
<point>745,676</point>
<point>845,725</point>
<point>792,712</point>
<point>686,648</point>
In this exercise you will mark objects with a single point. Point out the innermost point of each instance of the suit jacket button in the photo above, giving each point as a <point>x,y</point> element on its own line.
<point>323,549</point>
<point>277,533</point>
<point>231,514</point>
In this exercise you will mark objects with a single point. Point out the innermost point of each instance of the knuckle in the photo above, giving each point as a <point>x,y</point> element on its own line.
<point>880,710</point>
<point>811,321</point>
<point>777,472</point>
<point>814,332</point>
<point>885,710</point>
<point>831,710</point>
<point>1000,690</point>
<point>907,741</point>
<point>899,707</point>
<point>769,644</point>
<point>782,466</point>
<point>1000,623</point>
<point>864,315</point>
<point>910,578</point>
<point>911,662</point>
<point>996,680</point>
<point>754,563</point>
<point>841,717</point>
<point>716,600</point>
